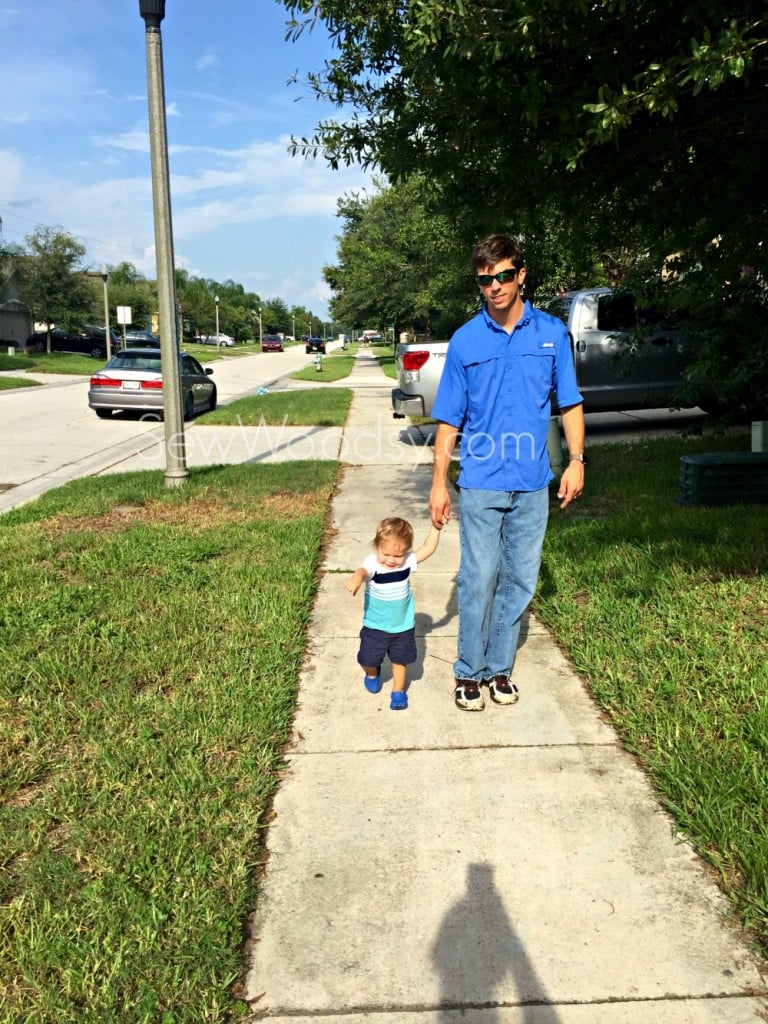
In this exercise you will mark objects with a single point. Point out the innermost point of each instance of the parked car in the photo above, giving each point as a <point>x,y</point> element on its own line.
<point>314,345</point>
<point>89,341</point>
<point>271,343</point>
<point>222,340</point>
<point>146,339</point>
<point>133,381</point>
<point>613,374</point>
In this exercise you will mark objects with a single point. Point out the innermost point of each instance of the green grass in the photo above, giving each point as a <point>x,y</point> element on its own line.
<point>387,362</point>
<point>321,407</point>
<point>151,644</point>
<point>13,383</point>
<point>56,362</point>
<point>336,366</point>
<point>664,612</point>
<point>17,362</point>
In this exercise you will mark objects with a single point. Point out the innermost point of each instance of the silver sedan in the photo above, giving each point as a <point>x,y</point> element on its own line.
<point>133,381</point>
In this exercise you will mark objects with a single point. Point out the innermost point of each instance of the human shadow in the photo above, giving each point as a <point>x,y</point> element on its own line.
<point>477,949</point>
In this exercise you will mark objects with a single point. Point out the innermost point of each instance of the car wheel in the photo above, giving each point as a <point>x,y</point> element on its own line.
<point>212,403</point>
<point>189,406</point>
<point>104,414</point>
<point>97,352</point>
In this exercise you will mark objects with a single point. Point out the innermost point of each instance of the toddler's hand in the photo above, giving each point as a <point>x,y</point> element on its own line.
<point>352,586</point>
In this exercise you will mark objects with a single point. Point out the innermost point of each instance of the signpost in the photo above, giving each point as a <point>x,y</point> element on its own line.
<point>124,317</point>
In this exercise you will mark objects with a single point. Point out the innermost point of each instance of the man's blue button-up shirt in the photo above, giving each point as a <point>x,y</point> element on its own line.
<point>496,388</point>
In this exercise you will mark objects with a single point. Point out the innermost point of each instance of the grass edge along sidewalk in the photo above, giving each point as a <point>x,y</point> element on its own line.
<point>141,754</point>
<point>663,611</point>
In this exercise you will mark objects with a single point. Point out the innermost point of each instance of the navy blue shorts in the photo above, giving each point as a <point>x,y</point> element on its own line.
<point>375,645</point>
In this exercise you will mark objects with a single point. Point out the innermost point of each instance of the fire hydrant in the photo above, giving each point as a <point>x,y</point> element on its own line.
<point>319,362</point>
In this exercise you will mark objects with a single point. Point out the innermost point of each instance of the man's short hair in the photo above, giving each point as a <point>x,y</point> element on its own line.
<point>494,249</point>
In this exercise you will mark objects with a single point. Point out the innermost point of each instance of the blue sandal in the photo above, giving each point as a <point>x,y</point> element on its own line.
<point>372,683</point>
<point>398,701</point>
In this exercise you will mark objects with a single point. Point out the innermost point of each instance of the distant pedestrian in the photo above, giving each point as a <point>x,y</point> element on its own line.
<point>389,616</point>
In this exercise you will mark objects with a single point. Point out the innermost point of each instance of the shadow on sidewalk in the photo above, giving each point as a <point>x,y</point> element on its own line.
<point>477,949</point>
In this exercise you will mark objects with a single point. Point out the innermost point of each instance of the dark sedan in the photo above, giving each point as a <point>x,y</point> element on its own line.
<point>143,339</point>
<point>89,341</point>
<point>133,381</point>
<point>314,345</point>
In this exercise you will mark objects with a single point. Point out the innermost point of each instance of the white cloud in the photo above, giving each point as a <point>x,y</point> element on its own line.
<point>207,61</point>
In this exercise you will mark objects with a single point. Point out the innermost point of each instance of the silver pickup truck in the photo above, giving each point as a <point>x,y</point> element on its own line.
<point>613,374</point>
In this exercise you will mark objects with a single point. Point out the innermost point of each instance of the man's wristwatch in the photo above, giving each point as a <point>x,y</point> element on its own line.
<point>578,457</point>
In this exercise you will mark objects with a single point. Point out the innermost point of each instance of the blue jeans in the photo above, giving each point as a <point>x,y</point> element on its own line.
<point>502,534</point>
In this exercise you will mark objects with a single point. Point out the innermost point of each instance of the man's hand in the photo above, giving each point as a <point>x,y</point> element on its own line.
<point>571,483</point>
<point>439,506</point>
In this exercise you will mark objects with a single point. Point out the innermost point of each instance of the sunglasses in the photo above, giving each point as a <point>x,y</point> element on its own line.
<point>503,276</point>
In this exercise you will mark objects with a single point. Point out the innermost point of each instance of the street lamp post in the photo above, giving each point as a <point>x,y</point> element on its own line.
<point>105,279</point>
<point>261,329</point>
<point>293,331</point>
<point>176,473</point>
<point>218,339</point>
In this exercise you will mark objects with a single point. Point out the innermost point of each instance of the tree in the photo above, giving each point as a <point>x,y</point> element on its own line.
<point>128,287</point>
<point>645,132</point>
<point>399,263</point>
<point>54,289</point>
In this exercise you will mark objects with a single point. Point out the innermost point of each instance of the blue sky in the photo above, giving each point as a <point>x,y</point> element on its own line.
<point>74,146</point>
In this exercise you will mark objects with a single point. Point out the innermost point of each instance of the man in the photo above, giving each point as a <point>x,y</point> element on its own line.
<point>499,373</point>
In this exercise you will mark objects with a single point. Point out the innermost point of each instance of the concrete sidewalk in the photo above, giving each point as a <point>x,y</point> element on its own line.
<point>432,866</point>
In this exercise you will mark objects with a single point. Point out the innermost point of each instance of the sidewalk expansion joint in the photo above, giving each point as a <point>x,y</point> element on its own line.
<point>459,748</point>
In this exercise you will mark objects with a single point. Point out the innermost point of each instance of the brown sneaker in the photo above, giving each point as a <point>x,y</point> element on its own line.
<point>502,691</point>
<point>468,695</point>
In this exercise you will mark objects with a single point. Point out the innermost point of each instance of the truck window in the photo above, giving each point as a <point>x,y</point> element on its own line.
<point>616,312</point>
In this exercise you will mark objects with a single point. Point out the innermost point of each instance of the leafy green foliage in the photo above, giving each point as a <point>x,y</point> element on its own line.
<point>54,290</point>
<point>399,263</point>
<point>643,136</point>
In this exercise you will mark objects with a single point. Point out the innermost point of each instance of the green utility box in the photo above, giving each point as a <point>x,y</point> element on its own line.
<point>724,478</point>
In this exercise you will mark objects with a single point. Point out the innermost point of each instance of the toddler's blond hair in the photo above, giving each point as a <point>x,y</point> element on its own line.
<point>395,529</point>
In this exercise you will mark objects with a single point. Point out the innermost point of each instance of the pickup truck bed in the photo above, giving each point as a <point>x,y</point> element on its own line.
<point>419,369</point>
<point>612,375</point>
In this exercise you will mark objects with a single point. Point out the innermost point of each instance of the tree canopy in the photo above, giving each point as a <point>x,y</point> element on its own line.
<point>642,132</point>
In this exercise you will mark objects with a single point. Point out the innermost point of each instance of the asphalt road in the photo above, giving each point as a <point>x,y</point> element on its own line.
<point>47,431</point>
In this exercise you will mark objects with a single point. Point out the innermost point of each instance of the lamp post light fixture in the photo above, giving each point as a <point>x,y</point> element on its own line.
<point>176,473</point>
<point>261,328</point>
<point>105,280</point>
<point>216,302</point>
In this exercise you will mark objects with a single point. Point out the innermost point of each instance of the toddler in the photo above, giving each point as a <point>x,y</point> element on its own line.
<point>388,611</point>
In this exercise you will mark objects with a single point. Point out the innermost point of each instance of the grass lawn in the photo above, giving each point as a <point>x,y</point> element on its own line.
<point>386,361</point>
<point>664,612</point>
<point>151,642</point>
<point>151,645</point>
<point>56,362</point>
<point>313,407</point>
<point>14,383</point>
<point>335,366</point>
